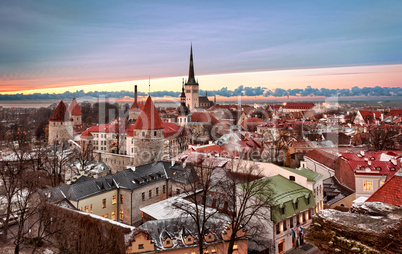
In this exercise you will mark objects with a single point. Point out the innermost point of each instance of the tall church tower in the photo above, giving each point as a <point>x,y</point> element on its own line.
<point>191,87</point>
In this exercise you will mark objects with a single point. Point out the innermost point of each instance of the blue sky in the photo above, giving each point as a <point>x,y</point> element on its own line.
<point>47,44</point>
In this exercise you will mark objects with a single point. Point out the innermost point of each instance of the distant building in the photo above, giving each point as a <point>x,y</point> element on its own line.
<point>368,117</point>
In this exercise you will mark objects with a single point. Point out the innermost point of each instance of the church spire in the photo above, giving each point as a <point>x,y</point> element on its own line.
<point>191,76</point>
<point>183,94</point>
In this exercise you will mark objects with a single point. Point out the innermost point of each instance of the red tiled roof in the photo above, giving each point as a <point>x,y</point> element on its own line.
<point>134,106</point>
<point>320,156</point>
<point>72,106</point>
<point>299,105</point>
<point>390,192</point>
<point>373,163</point>
<point>251,123</point>
<point>76,111</point>
<point>107,128</point>
<point>149,118</point>
<point>86,134</point>
<point>204,117</point>
<point>394,112</point>
<point>59,114</point>
<point>170,129</point>
<point>365,113</point>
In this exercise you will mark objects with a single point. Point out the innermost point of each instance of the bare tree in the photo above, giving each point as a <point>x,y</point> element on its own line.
<point>195,207</point>
<point>231,191</point>
<point>55,162</point>
<point>247,200</point>
<point>383,137</point>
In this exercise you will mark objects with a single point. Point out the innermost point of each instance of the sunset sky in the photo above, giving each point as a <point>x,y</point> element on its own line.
<point>57,46</point>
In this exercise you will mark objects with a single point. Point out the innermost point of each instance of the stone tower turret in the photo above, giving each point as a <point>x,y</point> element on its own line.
<point>148,135</point>
<point>60,125</point>
<point>75,112</point>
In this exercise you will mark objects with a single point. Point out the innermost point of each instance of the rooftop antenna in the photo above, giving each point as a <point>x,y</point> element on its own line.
<point>149,89</point>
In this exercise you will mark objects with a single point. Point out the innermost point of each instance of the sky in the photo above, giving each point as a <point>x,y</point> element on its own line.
<point>57,46</point>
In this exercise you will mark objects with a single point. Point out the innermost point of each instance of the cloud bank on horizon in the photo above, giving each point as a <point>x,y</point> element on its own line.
<point>47,44</point>
<point>251,92</point>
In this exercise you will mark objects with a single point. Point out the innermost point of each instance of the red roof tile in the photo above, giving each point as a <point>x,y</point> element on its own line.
<point>369,163</point>
<point>59,114</point>
<point>251,123</point>
<point>394,112</point>
<point>390,192</point>
<point>86,134</point>
<point>299,105</point>
<point>72,105</point>
<point>149,118</point>
<point>204,117</point>
<point>76,111</point>
<point>321,156</point>
<point>365,113</point>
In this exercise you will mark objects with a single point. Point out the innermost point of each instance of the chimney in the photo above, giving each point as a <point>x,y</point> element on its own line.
<point>135,94</point>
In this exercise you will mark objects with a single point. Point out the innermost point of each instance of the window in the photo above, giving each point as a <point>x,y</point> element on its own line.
<point>140,246</point>
<point>114,200</point>
<point>167,241</point>
<point>104,203</point>
<point>381,183</point>
<point>368,185</point>
<point>283,210</point>
<point>143,134</point>
<point>150,193</point>
<point>284,225</point>
<point>292,178</point>
<point>177,191</point>
<point>121,214</point>
<point>297,205</point>
<point>86,209</point>
<point>281,246</point>
<point>164,189</point>
<point>157,191</point>
<point>235,247</point>
<point>143,196</point>
<point>90,208</point>
<point>106,216</point>
<point>155,133</point>
<point>277,228</point>
<point>121,198</point>
<point>291,222</point>
<point>308,200</point>
<point>113,216</point>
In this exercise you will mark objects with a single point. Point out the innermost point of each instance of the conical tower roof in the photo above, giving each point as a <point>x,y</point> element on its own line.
<point>74,108</point>
<point>59,114</point>
<point>149,118</point>
<point>191,75</point>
